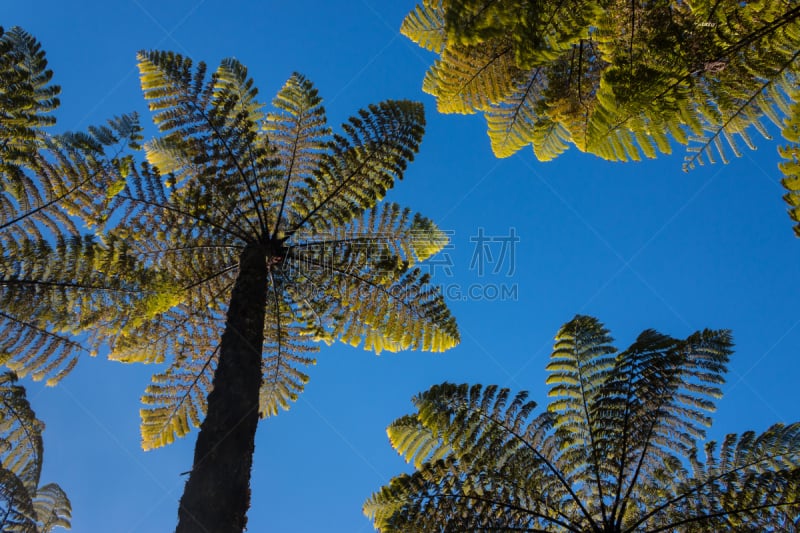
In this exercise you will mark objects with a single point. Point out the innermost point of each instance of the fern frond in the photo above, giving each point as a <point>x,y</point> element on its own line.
<point>48,294</point>
<point>52,508</point>
<point>425,25</point>
<point>511,120</point>
<point>790,167</point>
<point>26,98</point>
<point>288,345</point>
<point>477,466</point>
<point>27,508</point>
<point>298,132</point>
<point>20,433</point>
<point>751,482</point>
<point>470,79</point>
<point>176,399</point>
<point>361,165</point>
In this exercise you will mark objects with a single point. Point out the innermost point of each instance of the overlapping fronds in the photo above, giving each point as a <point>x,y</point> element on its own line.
<point>226,176</point>
<point>51,279</point>
<point>641,72</point>
<point>483,461</point>
<point>357,283</point>
<point>622,80</point>
<point>749,483</point>
<point>24,506</point>
<point>611,452</point>
<point>49,293</point>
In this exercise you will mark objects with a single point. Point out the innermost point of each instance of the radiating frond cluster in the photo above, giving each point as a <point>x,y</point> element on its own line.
<point>25,507</point>
<point>228,175</point>
<point>616,450</point>
<point>621,80</point>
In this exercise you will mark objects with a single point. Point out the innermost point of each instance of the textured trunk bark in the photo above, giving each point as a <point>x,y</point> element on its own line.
<point>217,495</point>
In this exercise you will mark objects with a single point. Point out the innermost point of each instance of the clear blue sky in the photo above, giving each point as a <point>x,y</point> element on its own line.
<point>637,245</point>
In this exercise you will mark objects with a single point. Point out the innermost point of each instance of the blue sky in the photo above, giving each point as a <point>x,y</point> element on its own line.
<point>637,245</point>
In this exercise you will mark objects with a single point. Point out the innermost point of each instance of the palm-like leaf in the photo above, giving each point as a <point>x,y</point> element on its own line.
<point>610,454</point>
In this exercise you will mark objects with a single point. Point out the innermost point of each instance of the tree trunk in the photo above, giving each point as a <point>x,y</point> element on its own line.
<point>217,495</point>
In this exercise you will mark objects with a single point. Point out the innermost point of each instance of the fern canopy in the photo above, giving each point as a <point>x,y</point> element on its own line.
<point>25,507</point>
<point>622,80</point>
<point>616,449</point>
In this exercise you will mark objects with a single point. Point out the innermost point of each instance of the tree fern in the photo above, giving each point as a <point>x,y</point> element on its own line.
<point>615,451</point>
<point>25,507</point>
<point>261,234</point>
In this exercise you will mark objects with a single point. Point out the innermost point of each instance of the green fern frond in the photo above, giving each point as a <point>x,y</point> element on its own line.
<point>26,98</point>
<point>49,294</point>
<point>361,165</point>
<point>176,399</point>
<point>425,25</point>
<point>511,118</point>
<point>471,79</point>
<point>298,133</point>
<point>790,167</point>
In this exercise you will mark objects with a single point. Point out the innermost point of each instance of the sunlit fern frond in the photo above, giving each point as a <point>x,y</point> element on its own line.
<point>538,31</point>
<point>298,133</point>
<point>361,165</point>
<point>510,120</point>
<point>52,508</point>
<point>729,122</point>
<point>581,361</point>
<point>416,442</point>
<point>357,283</point>
<point>48,294</point>
<point>468,79</point>
<point>176,398</point>
<point>425,25</point>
